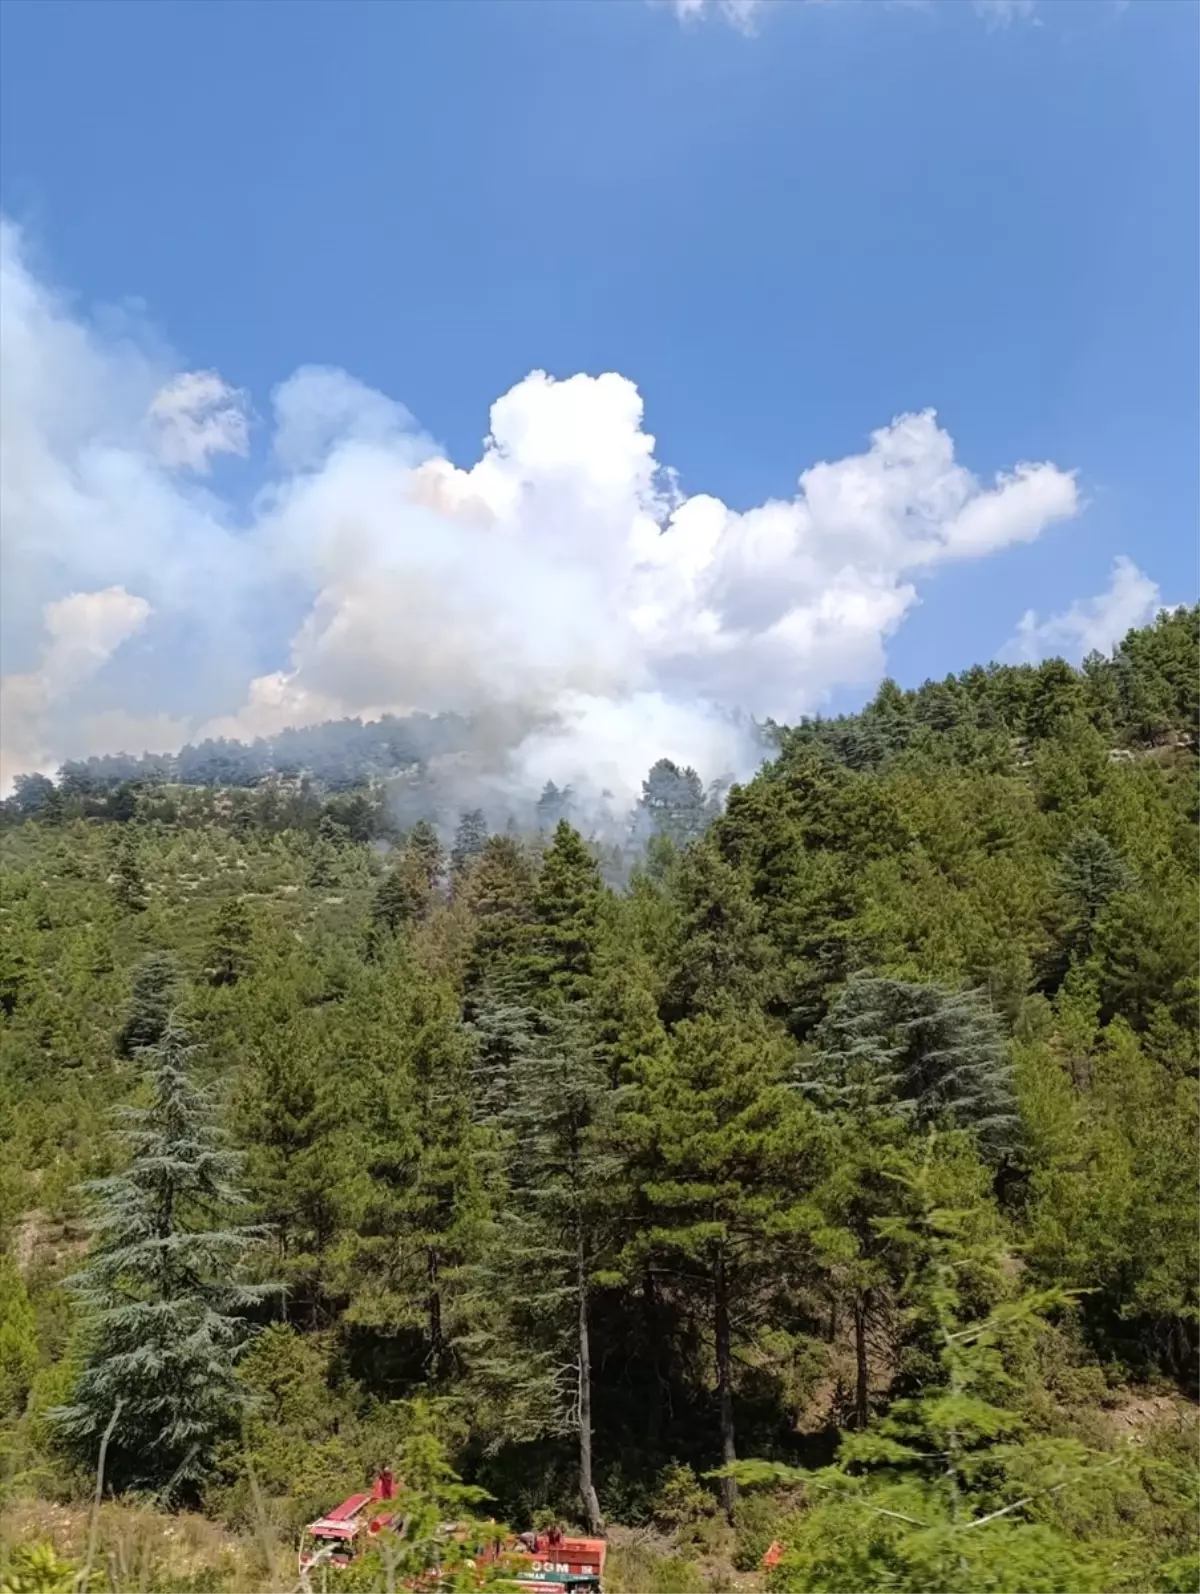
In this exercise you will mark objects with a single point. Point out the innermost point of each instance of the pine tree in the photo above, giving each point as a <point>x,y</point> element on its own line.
<point>296,1119</point>
<point>1144,946</point>
<point>409,888</point>
<point>859,1189</point>
<point>568,902</point>
<point>426,854</point>
<point>324,869</point>
<point>946,1492</point>
<point>425,1166</point>
<point>548,1092</point>
<point>156,990</point>
<point>725,1155</point>
<point>129,884</point>
<point>719,954</point>
<point>228,957</point>
<point>623,1012</point>
<point>672,804</point>
<point>400,897</point>
<point>552,1234</point>
<point>470,839</point>
<point>501,898</point>
<point>32,795</point>
<point>553,806</point>
<point>1091,872</point>
<point>919,1051</point>
<point>163,1321</point>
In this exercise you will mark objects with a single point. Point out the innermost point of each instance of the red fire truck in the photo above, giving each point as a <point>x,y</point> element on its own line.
<point>557,1562</point>
<point>344,1533</point>
<point>542,1563</point>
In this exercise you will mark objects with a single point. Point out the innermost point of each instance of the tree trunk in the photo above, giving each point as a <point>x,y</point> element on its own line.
<point>587,1488</point>
<point>725,1383</point>
<point>654,1416</point>
<point>862,1381</point>
<point>437,1344</point>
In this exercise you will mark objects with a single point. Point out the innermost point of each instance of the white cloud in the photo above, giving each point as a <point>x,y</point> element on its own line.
<point>1090,624</point>
<point>197,415</point>
<point>1003,13</point>
<point>561,585</point>
<point>742,15</point>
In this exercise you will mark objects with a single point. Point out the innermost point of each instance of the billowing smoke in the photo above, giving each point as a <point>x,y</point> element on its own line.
<point>562,590</point>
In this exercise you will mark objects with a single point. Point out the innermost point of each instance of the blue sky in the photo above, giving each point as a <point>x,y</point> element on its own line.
<point>785,235</point>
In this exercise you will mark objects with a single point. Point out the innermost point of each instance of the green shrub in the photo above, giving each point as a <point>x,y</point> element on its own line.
<point>39,1569</point>
<point>758,1522</point>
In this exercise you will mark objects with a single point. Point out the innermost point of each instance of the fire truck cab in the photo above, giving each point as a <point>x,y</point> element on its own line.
<point>342,1534</point>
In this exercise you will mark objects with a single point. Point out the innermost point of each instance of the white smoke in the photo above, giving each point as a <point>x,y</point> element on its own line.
<point>1089,625</point>
<point>561,586</point>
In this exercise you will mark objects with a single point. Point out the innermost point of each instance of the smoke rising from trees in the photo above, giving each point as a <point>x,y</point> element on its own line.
<point>564,592</point>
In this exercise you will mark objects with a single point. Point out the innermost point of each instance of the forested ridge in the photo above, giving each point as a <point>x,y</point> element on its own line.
<point>814,1166</point>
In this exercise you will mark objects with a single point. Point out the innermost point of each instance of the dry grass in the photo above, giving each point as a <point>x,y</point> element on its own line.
<point>140,1550</point>
<point>143,1551</point>
<point>641,1559</point>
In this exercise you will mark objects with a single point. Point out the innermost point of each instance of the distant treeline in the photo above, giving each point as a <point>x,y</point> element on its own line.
<point>1136,697</point>
<point>339,754</point>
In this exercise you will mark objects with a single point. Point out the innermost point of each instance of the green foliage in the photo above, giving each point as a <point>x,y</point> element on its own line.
<point>400,896</point>
<point>553,1105</point>
<point>943,1492</point>
<point>128,881</point>
<point>470,839</point>
<point>426,854</point>
<point>38,1569</point>
<point>156,990</point>
<point>18,1339</point>
<point>565,930</point>
<point>421,1194</point>
<point>1092,872</point>
<point>229,954</point>
<point>724,1156</point>
<point>673,805</point>
<point>923,1053</point>
<point>302,1445</point>
<point>614,1157</point>
<point>161,1313</point>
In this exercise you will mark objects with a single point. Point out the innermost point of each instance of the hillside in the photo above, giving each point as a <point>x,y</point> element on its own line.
<point>840,1141</point>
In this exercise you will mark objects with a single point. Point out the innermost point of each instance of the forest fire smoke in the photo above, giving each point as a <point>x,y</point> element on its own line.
<point>564,585</point>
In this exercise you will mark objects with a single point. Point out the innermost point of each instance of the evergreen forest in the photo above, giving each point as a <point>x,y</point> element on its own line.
<point>796,1184</point>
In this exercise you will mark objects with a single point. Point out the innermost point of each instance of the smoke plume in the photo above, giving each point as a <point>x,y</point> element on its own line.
<point>561,589</point>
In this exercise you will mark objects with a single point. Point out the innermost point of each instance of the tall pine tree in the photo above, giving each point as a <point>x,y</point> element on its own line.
<point>156,990</point>
<point>163,1318</point>
<point>470,839</point>
<point>725,1155</point>
<point>550,1094</point>
<point>425,1171</point>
